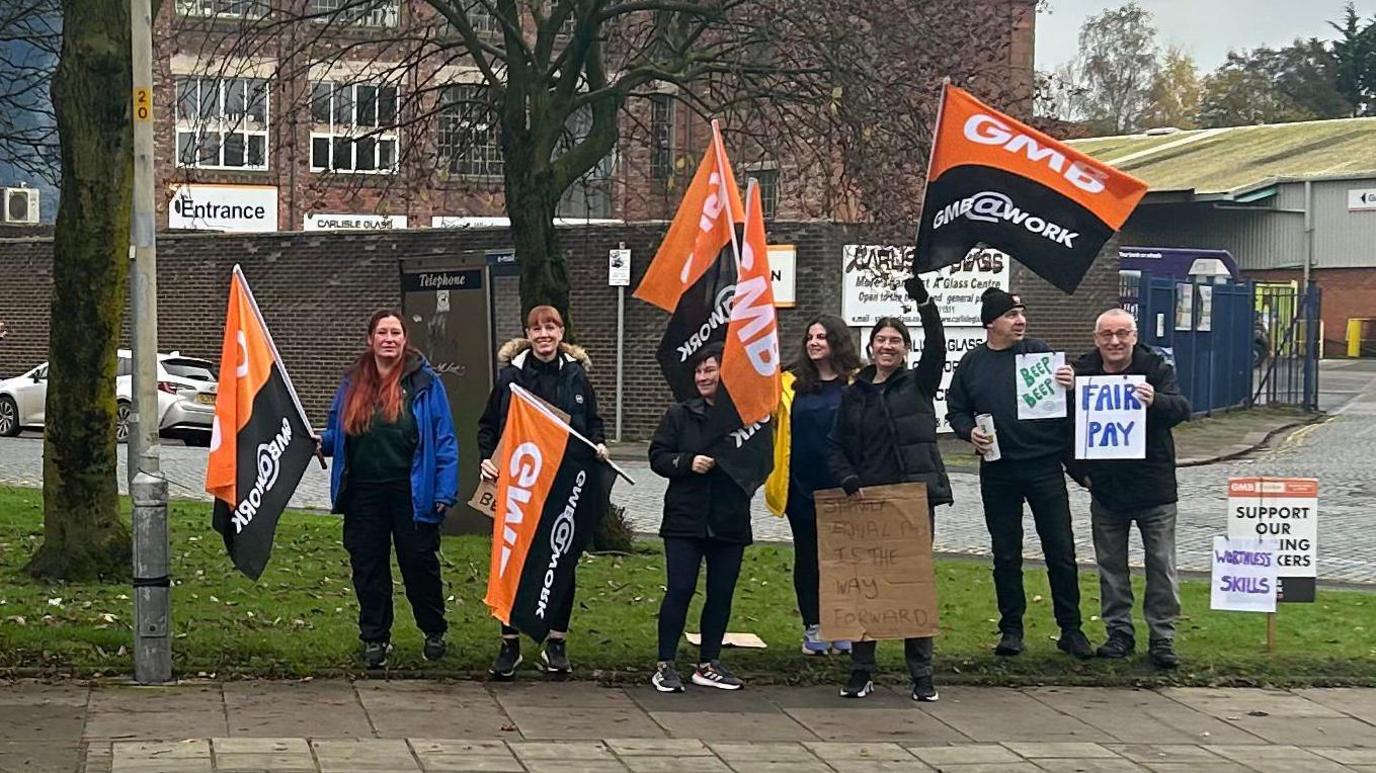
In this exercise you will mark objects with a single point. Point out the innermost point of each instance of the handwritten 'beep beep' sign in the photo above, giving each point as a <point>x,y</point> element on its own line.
<point>1110,422</point>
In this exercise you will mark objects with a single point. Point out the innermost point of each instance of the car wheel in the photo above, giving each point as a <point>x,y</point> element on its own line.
<point>9,417</point>
<point>122,411</point>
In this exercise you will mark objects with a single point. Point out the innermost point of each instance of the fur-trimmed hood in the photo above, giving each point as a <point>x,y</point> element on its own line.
<point>513,353</point>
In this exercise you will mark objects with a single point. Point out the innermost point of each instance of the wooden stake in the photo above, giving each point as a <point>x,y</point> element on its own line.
<point>1270,631</point>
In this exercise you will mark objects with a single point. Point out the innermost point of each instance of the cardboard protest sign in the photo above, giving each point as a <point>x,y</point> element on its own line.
<point>875,555</point>
<point>1244,575</point>
<point>1286,510</point>
<point>1039,396</point>
<point>1110,422</point>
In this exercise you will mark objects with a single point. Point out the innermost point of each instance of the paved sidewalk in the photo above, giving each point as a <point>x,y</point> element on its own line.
<point>339,726</point>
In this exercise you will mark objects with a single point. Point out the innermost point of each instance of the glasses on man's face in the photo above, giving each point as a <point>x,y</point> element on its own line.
<point>1109,335</point>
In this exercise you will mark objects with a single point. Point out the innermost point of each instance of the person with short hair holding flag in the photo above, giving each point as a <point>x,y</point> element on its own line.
<point>1029,469</point>
<point>555,372</point>
<point>1126,490</point>
<point>706,518</point>
<point>395,477</point>
<point>885,433</point>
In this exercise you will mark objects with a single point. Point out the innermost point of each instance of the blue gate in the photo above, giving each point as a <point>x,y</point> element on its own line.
<point>1207,329</point>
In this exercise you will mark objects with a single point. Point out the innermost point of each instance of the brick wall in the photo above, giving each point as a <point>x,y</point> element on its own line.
<point>317,290</point>
<point>1347,293</point>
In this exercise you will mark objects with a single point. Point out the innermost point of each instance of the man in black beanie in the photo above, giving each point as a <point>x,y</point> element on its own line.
<point>1028,469</point>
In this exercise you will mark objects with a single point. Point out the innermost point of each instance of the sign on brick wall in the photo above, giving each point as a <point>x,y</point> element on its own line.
<point>872,284</point>
<point>234,208</point>
<point>324,222</point>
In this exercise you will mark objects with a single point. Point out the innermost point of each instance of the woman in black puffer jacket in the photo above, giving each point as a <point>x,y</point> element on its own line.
<point>885,433</point>
<point>706,517</point>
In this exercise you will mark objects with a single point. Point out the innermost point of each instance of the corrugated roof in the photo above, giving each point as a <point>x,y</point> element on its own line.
<point>1238,158</point>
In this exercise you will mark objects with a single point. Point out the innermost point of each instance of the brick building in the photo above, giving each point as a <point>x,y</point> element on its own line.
<point>270,126</point>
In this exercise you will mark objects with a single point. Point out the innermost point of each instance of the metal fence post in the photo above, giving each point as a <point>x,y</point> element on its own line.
<point>152,587</point>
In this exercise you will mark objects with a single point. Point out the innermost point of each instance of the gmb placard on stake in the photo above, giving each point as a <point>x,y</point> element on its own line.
<point>1285,510</point>
<point>1110,422</point>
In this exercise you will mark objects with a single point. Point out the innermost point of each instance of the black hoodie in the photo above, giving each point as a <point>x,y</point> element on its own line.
<point>1129,485</point>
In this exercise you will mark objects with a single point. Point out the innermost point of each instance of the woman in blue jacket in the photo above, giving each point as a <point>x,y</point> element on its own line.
<point>395,476</point>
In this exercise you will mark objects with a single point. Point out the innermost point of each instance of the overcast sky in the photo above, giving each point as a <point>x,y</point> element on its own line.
<point>1206,29</point>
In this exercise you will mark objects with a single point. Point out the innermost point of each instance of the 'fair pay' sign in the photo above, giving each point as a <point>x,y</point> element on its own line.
<point>1285,510</point>
<point>1110,422</point>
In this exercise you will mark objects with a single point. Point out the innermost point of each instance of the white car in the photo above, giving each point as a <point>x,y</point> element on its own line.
<point>186,398</point>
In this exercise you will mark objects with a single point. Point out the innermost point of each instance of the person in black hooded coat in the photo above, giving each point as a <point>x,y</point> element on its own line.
<point>885,433</point>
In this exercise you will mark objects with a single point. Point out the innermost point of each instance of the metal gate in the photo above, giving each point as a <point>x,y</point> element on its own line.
<point>1211,332</point>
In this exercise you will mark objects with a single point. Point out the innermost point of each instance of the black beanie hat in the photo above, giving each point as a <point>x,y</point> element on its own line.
<point>995,303</point>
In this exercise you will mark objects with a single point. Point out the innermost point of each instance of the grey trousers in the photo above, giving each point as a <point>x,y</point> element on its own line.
<point>1162,603</point>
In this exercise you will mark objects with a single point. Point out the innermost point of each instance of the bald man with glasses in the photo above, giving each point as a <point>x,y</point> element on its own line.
<point>1124,491</point>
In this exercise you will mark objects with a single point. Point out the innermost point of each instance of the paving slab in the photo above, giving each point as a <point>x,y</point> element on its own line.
<point>993,767</point>
<point>260,746</point>
<point>481,747</point>
<point>151,726</point>
<point>574,711</point>
<point>658,747</point>
<point>911,765</point>
<point>529,751</point>
<point>1355,757</point>
<point>736,754</point>
<point>1237,702</point>
<point>1155,718</point>
<point>469,763</point>
<point>1309,731</point>
<point>1354,701</point>
<point>576,766</point>
<point>992,714</point>
<point>964,754</point>
<point>1197,767</point>
<point>908,723</point>
<point>185,697</point>
<point>54,723</point>
<point>1163,753</point>
<point>643,764</point>
<point>316,709</point>
<point>39,756</point>
<point>1034,750</point>
<point>832,752</point>
<point>1092,765</point>
<point>30,692</point>
<point>346,756</point>
<point>755,725</point>
<point>702,699</point>
<point>816,766</point>
<point>276,763</point>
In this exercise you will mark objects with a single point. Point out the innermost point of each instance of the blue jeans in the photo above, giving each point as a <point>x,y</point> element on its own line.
<point>1162,603</point>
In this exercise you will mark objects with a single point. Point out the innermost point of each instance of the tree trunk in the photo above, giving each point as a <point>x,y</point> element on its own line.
<point>84,536</point>
<point>531,204</point>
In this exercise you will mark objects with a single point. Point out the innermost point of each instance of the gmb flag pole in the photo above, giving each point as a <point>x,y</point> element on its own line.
<point>993,180</point>
<point>261,441</point>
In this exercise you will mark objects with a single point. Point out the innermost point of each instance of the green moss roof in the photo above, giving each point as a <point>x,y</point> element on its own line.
<point>1222,161</point>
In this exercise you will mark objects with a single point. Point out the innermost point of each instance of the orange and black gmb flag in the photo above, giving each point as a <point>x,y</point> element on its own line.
<point>997,182</point>
<point>551,492</point>
<point>261,441</point>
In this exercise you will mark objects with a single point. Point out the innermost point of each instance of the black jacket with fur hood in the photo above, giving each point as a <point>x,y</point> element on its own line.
<point>563,383</point>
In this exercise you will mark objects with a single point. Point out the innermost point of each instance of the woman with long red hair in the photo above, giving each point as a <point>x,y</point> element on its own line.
<point>395,476</point>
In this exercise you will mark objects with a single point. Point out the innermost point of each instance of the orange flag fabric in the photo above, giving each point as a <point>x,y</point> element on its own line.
<point>750,363</point>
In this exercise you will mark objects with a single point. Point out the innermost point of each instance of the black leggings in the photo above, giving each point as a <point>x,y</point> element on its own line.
<point>802,517</point>
<point>682,557</point>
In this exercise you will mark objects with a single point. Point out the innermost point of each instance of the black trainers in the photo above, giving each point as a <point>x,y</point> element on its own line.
<point>1116,647</point>
<point>924,690</point>
<point>1073,642</point>
<point>1162,654</point>
<point>716,675</point>
<point>434,648</point>
<point>858,686</point>
<point>554,660</point>
<point>508,658</point>
<point>1010,645</point>
<point>666,678</point>
<point>375,653</point>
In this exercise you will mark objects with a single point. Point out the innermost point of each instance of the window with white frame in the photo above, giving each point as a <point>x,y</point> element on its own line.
<point>353,127</point>
<point>362,13</point>
<point>661,136</point>
<point>222,123</point>
<point>483,21</point>
<point>238,9</point>
<point>469,137</point>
